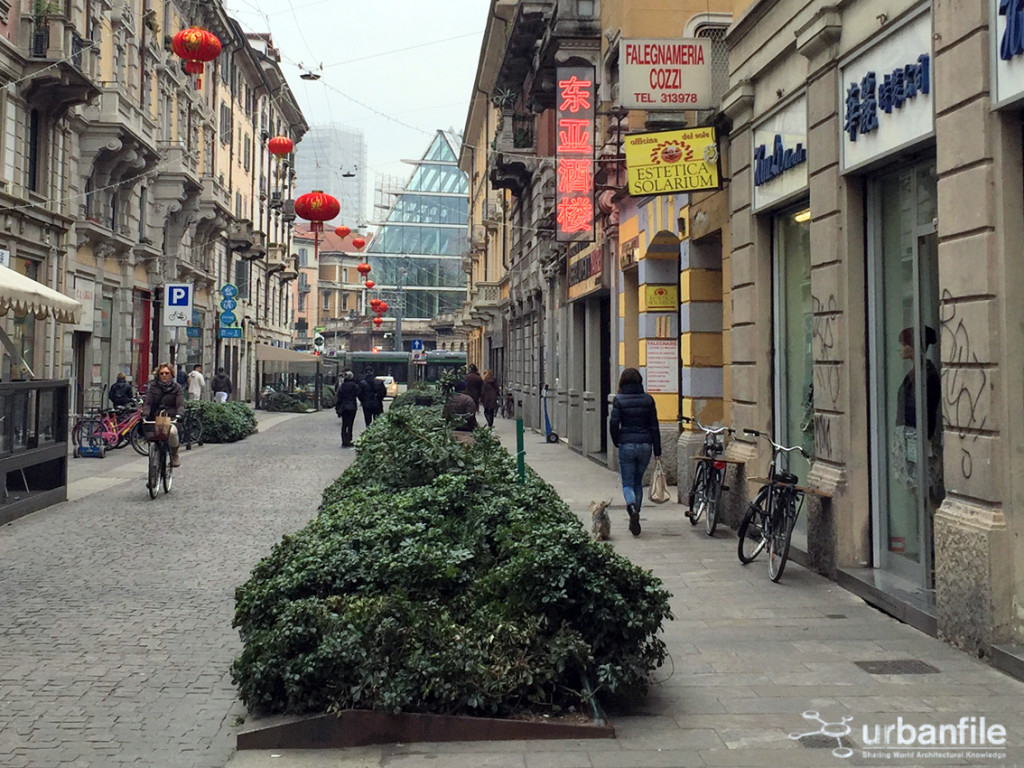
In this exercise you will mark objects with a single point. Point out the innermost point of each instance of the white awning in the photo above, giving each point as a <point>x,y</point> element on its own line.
<point>23,295</point>
<point>281,360</point>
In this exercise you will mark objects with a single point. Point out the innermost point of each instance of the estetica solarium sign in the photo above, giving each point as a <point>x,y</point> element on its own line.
<point>657,75</point>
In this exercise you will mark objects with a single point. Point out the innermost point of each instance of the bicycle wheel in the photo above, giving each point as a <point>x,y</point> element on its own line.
<point>153,481</point>
<point>138,440</point>
<point>713,496</point>
<point>752,530</point>
<point>698,492</point>
<point>166,470</point>
<point>778,541</point>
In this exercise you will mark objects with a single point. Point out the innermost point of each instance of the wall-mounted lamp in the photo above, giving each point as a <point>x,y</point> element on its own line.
<point>801,216</point>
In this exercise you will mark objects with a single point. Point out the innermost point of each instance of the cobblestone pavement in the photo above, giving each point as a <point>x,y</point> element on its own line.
<point>115,610</point>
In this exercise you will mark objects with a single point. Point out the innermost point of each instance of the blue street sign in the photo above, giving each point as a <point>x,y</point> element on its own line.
<point>179,295</point>
<point>416,345</point>
<point>228,291</point>
<point>229,333</point>
<point>227,318</point>
<point>193,333</point>
<point>228,304</point>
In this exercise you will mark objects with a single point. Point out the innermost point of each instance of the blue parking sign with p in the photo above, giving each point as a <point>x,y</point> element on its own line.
<point>179,295</point>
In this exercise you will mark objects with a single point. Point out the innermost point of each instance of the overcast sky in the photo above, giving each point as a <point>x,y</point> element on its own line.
<point>398,70</point>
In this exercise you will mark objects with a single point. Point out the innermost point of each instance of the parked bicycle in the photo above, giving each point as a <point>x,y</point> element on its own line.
<point>160,470</point>
<point>708,477</point>
<point>112,428</point>
<point>768,523</point>
<point>190,427</point>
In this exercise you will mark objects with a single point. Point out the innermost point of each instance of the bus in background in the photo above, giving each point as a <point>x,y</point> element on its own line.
<point>393,364</point>
<point>436,362</point>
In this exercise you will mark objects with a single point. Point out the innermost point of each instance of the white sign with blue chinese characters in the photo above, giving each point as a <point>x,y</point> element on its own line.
<point>1007,19</point>
<point>885,96</point>
<point>780,155</point>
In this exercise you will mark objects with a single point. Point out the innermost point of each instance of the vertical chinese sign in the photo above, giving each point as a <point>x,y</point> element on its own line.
<point>574,153</point>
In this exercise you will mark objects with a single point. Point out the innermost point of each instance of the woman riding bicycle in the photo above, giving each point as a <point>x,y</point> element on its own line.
<point>165,394</point>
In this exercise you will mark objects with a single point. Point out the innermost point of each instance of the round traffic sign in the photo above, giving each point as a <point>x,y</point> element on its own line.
<point>228,291</point>
<point>227,318</point>
<point>228,304</point>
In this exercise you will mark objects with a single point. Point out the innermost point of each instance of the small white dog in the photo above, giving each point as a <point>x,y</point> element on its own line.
<point>601,523</point>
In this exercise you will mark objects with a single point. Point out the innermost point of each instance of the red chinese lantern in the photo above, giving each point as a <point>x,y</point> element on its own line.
<point>342,231</point>
<point>196,46</point>
<point>317,207</point>
<point>374,304</point>
<point>363,268</point>
<point>280,145</point>
<point>358,243</point>
<point>383,307</point>
<point>378,320</point>
<point>370,283</point>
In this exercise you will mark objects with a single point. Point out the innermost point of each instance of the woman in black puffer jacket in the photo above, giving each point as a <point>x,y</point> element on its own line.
<point>634,428</point>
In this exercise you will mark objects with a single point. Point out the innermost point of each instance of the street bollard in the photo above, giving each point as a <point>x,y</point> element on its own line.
<point>520,451</point>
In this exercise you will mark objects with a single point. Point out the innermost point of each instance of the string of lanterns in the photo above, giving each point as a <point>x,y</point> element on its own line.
<point>196,46</point>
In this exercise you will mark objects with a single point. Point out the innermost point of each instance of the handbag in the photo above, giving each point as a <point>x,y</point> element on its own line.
<point>659,484</point>
<point>162,424</point>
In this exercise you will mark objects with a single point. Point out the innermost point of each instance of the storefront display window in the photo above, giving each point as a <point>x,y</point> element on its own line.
<point>906,407</point>
<point>794,372</point>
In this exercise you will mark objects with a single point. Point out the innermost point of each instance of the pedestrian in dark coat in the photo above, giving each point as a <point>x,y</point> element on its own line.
<point>635,432</point>
<point>371,396</point>
<point>490,396</point>
<point>461,409</point>
<point>346,407</point>
<point>120,392</point>
<point>474,384</point>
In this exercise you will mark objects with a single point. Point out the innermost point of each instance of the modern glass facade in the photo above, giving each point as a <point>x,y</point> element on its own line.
<point>418,250</point>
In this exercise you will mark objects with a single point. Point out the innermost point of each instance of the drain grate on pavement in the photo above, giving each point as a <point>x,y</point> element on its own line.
<point>897,667</point>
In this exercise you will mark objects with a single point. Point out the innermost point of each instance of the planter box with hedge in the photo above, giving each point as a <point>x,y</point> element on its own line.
<point>434,581</point>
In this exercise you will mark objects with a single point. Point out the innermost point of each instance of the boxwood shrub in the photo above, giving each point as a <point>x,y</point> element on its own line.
<point>224,422</point>
<point>433,580</point>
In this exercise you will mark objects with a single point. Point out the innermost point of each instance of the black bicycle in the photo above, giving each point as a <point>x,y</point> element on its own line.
<point>708,477</point>
<point>768,523</point>
<point>190,427</point>
<point>160,470</point>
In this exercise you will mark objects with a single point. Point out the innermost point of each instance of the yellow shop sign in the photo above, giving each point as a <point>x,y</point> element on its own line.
<point>658,298</point>
<point>672,161</point>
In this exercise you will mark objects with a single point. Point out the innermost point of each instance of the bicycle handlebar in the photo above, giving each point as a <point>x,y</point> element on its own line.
<point>776,447</point>
<point>708,430</point>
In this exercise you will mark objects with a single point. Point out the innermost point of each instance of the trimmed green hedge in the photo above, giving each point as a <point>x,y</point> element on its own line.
<point>434,581</point>
<point>224,422</point>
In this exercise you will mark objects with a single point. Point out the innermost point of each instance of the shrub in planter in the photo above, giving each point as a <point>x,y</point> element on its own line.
<point>282,402</point>
<point>224,422</point>
<point>328,396</point>
<point>434,581</point>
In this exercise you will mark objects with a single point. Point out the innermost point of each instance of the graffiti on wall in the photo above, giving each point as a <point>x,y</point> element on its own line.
<point>964,381</point>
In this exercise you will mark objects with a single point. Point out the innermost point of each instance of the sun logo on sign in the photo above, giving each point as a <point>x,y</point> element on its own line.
<point>671,152</point>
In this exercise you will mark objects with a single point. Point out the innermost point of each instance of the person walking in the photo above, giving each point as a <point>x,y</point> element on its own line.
<point>182,377</point>
<point>474,384</point>
<point>196,383</point>
<point>371,396</point>
<point>346,406</point>
<point>120,392</point>
<point>634,430</point>
<point>489,397</point>
<point>460,409</point>
<point>221,386</point>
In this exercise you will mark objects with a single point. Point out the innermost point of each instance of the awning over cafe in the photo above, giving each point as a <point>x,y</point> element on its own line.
<point>279,359</point>
<point>23,296</point>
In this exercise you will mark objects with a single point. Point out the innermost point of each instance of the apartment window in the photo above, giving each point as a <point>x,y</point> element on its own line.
<point>245,154</point>
<point>302,302</point>
<point>303,257</point>
<point>35,141</point>
<point>242,278</point>
<point>719,59</point>
<point>327,300</point>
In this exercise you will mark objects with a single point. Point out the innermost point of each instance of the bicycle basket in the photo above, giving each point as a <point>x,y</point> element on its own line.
<point>782,476</point>
<point>150,433</point>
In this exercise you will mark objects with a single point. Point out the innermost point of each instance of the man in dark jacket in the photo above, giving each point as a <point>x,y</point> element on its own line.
<point>371,395</point>
<point>346,407</point>
<point>474,384</point>
<point>120,392</point>
<point>461,409</point>
<point>221,386</point>
<point>635,432</point>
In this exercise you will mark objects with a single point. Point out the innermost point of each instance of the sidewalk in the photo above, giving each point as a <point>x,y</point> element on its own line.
<point>752,665</point>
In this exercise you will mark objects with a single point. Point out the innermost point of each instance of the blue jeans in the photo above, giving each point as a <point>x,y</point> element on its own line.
<point>633,461</point>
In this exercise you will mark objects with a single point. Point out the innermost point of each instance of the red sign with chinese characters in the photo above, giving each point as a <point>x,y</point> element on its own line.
<point>574,153</point>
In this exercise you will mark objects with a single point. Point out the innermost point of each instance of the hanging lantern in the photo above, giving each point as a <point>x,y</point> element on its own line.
<point>317,207</point>
<point>280,145</point>
<point>363,268</point>
<point>358,243</point>
<point>196,46</point>
<point>378,320</point>
<point>383,307</point>
<point>342,231</point>
<point>374,304</point>
<point>370,283</point>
